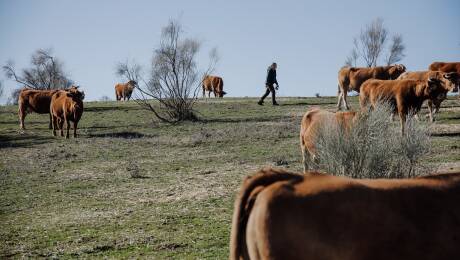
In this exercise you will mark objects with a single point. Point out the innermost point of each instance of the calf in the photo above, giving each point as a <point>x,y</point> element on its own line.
<point>283,215</point>
<point>312,122</point>
<point>351,78</point>
<point>450,82</point>
<point>66,106</point>
<point>406,96</point>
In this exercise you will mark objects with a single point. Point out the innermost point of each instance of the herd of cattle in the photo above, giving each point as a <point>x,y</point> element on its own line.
<point>282,215</point>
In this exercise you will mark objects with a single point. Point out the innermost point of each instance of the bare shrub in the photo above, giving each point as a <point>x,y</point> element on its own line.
<point>373,148</point>
<point>370,45</point>
<point>174,78</point>
<point>104,98</point>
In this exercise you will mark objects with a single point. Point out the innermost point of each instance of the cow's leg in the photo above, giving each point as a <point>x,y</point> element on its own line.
<point>339,100</point>
<point>75,123</point>
<point>430,111</point>
<point>209,94</point>
<point>67,122</point>
<point>344,96</point>
<point>204,93</point>
<point>402,117</point>
<point>54,119</point>
<point>22,115</point>
<point>305,159</point>
<point>61,126</point>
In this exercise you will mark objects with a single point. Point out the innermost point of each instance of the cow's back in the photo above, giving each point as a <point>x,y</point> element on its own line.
<point>445,66</point>
<point>37,101</point>
<point>327,217</point>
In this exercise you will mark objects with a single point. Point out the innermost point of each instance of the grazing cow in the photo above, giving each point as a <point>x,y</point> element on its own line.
<point>66,106</point>
<point>38,101</point>
<point>452,85</point>
<point>351,78</point>
<point>447,67</point>
<point>282,215</point>
<point>213,84</point>
<point>312,122</point>
<point>125,90</point>
<point>406,96</point>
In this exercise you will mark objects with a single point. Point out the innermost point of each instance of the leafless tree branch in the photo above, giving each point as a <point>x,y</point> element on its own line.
<point>396,50</point>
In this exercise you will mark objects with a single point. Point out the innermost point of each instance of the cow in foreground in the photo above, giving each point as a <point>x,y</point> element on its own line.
<point>213,84</point>
<point>312,123</point>
<point>451,78</point>
<point>38,101</point>
<point>351,78</point>
<point>405,96</point>
<point>282,215</point>
<point>66,107</point>
<point>446,67</point>
<point>125,90</point>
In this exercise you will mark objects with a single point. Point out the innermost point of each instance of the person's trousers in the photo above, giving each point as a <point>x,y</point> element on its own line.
<point>271,89</point>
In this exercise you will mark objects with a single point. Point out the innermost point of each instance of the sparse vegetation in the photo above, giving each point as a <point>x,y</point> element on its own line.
<point>374,147</point>
<point>76,198</point>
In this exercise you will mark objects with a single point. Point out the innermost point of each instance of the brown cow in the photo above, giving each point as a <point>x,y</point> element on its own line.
<point>125,90</point>
<point>351,78</point>
<point>446,67</point>
<point>66,106</point>
<point>452,85</point>
<point>38,101</point>
<point>406,96</point>
<point>282,215</point>
<point>312,122</point>
<point>213,84</point>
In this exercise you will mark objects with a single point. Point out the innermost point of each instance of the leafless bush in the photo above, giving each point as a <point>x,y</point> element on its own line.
<point>133,169</point>
<point>317,95</point>
<point>174,78</point>
<point>396,52</point>
<point>373,148</point>
<point>370,44</point>
<point>46,72</point>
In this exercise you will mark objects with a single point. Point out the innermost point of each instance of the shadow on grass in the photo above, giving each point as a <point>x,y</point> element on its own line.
<point>242,120</point>
<point>23,140</point>
<point>115,108</point>
<point>448,134</point>
<point>309,104</point>
<point>125,135</point>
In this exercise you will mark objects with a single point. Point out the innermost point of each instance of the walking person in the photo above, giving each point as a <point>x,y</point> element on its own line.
<point>271,80</point>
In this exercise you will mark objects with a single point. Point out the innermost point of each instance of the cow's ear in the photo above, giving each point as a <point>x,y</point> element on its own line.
<point>449,75</point>
<point>432,81</point>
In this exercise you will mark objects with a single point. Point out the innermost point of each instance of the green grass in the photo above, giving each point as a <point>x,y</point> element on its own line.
<point>77,198</point>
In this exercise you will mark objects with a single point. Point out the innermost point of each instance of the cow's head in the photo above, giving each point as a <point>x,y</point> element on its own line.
<point>132,83</point>
<point>75,93</point>
<point>451,81</point>
<point>222,93</point>
<point>435,89</point>
<point>396,70</point>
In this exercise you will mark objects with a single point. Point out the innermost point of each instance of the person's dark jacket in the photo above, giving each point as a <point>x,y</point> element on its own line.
<point>271,77</point>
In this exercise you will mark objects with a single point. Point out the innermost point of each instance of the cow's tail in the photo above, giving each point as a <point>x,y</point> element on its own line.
<point>251,187</point>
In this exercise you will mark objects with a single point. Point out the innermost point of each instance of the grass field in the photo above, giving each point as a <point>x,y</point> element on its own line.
<point>78,197</point>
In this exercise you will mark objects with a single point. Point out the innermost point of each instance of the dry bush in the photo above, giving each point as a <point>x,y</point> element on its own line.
<point>374,148</point>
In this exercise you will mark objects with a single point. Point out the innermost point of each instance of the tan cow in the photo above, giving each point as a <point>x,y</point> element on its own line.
<point>451,84</point>
<point>38,101</point>
<point>351,78</point>
<point>406,96</point>
<point>125,90</point>
<point>213,84</point>
<point>282,215</point>
<point>446,67</point>
<point>66,106</point>
<point>312,122</point>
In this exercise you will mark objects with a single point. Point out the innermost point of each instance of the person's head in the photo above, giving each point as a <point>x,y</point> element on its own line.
<point>273,66</point>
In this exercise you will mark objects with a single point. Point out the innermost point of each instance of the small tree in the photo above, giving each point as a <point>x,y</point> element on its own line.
<point>370,45</point>
<point>46,72</point>
<point>174,78</point>
<point>396,51</point>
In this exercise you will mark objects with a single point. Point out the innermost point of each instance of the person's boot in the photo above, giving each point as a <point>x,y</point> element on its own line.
<point>276,104</point>
<point>261,103</point>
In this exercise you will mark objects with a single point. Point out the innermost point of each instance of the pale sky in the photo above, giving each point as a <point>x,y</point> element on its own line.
<point>308,39</point>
